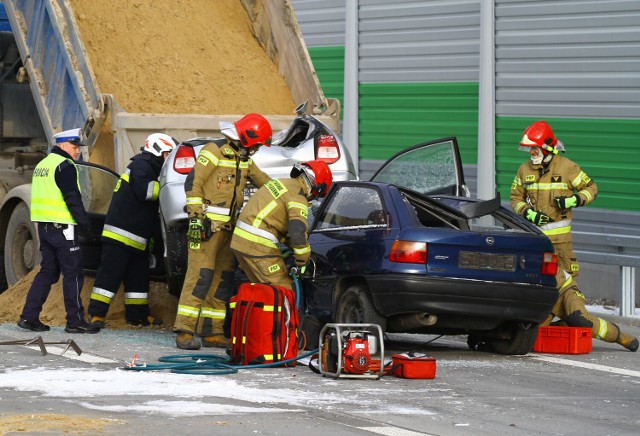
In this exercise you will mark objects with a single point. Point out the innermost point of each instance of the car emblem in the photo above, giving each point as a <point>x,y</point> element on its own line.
<point>489,241</point>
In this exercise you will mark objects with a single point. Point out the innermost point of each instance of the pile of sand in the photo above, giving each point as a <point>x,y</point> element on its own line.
<point>162,304</point>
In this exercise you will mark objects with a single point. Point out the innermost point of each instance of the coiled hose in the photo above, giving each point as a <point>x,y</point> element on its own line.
<point>205,364</point>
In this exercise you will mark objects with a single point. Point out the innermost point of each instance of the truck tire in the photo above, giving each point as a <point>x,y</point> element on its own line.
<point>356,307</point>
<point>20,251</point>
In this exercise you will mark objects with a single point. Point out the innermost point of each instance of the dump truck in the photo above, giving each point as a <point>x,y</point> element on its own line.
<point>48,85</point>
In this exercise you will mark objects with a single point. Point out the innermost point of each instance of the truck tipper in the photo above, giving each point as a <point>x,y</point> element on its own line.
<point>48,84</point>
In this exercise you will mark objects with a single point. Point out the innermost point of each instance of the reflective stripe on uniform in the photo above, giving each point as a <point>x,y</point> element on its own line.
<point>209,312</point>
<point>263,213</point>
<point>586,194</point>
<point>141,298</point>
<point>557,228</point>
<point>256,231</point>
<point>153,189</point>
<point>254,238</point>
<point>303,250</point>
<point>127,238</point>
<point>103,295</point>
<point>217,210</point>
<point>208,156</point>
<point>190,311</point>
<point>547,186</point>
<point>602,330</point>
<point>579,177</point>
<point>194,200</point>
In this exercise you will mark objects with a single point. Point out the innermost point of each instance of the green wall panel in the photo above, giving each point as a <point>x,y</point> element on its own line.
<point>608,150</point>
<point>394,116</point>
<point>329,65</point>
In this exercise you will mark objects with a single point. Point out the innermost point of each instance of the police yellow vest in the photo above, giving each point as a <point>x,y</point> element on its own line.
<point>47,203</point>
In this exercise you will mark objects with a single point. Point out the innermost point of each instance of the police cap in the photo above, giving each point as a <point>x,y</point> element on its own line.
<point>72,136</point>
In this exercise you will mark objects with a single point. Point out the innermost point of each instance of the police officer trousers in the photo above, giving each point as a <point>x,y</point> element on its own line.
<point>58,255</point>
<point>207,288</point>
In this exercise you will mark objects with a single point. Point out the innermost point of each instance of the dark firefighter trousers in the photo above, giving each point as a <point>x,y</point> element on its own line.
<point>121,265</point>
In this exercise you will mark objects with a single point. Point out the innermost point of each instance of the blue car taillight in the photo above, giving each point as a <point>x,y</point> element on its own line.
<point>327,148</point>
<point>184,160</point>
<point>408,252</point>
<point>549,264</point>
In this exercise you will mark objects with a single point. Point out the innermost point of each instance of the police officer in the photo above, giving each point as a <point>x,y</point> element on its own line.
<point>56,207</point>
<point>129,225</point>
<point>215,193</point>
<point>571,310</point>
<point>278,213</point>
<point>548,187</point>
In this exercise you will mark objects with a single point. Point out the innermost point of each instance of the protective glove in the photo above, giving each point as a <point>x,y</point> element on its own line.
<point>538,218</point>
<point>194,233</point>
<point>285,252</point>
<point>565,203</point>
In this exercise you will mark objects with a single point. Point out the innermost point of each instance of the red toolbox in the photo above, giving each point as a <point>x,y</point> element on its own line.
<point>410,365</point>
<point>563,340</point>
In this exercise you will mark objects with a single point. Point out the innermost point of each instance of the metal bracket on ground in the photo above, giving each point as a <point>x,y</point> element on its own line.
<point>70,343</point>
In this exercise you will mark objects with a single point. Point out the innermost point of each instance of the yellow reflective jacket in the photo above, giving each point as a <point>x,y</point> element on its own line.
<point>215,186</point>
<point>536,186</point>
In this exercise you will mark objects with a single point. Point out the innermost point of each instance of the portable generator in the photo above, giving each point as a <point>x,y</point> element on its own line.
<point>351,351</point>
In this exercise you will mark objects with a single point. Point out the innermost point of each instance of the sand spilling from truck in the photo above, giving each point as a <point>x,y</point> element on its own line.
<point>164,56</point>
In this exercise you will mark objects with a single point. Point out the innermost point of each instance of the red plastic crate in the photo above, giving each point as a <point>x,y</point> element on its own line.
<point>563,340</point>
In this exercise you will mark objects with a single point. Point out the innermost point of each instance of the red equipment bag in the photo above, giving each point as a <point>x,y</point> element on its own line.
<point>412,365</point>
<point>264,325</point>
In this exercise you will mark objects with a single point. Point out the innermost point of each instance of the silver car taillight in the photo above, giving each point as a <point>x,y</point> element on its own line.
<point>184,160</point>
<point>327,148</point>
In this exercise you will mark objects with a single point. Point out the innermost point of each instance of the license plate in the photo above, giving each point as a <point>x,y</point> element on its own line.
<point>487,261</point>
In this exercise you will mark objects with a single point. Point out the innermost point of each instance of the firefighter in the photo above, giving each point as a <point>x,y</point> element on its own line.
<point>548,187</point>
<point>127,236</point>
<point>571,310</point>
<point>56,207</point>
<point>277,213</point>
<point>215,194</point>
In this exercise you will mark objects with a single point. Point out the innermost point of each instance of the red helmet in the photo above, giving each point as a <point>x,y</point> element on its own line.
<point>253,129</point>
<point>318,173</point>
<point>539,134</point>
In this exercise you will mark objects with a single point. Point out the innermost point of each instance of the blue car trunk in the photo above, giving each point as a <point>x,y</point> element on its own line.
<point>490,256</point>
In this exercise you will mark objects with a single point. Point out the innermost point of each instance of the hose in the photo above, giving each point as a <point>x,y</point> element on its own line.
<point>206,364</point>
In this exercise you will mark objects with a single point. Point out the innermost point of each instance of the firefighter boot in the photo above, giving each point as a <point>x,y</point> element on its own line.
<point>626,340</point>
<point>96,322</point>
<point>150,321</point>
<point>186,341</point>
<point>218,341</point>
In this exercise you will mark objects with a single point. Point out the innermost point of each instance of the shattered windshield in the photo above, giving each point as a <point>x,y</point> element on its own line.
<point>428,170</point>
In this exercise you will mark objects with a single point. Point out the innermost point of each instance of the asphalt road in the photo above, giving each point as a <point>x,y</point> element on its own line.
<point>474,393</point>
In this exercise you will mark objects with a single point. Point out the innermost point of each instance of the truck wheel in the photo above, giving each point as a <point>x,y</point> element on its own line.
<point>523,338</point>
<point>20,253</point>
<point>175,261</point>
<point>356,307</point>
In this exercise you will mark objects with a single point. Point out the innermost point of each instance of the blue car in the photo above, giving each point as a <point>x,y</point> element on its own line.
<point>412,252</point>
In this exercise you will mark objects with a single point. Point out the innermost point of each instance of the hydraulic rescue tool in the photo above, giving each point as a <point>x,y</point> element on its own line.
<point>351,351</point>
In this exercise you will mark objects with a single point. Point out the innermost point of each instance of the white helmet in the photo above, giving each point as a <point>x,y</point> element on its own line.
<point>158,143</point>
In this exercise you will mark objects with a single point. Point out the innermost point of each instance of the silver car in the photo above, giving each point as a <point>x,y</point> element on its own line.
<point>307,138</point>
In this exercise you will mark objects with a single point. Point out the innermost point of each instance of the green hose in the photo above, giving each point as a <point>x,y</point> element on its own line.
<point>206,364</point>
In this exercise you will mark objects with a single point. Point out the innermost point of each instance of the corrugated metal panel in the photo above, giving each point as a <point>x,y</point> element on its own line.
<point>419,41</point>
<point>321,21</point>
<point>571,58</point>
